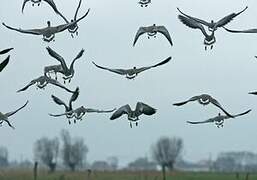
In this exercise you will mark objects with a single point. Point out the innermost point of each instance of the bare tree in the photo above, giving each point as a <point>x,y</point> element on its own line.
<point>46,150</point>
<point>74,150</point>
<point>166,151</point>
<point>3,157</point>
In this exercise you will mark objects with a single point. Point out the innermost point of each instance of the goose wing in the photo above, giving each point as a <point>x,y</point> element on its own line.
<point>74,97</point>
<point>63,114</point>
<point>241,31</point>
<point>140,32</point>
<point>89,110</point>
<point>217,104</point>
<point>163,30</point>
<point>28,85</point>
<point>53,5</point>
<point>6,51</point>
<point>241,114</point>
<point>196,19</point>
<point>4,63</point>
<point>192,24</point>
<point>253,93</point>
<point>194,98</point>
<point>23,5</point>
<point>80,54</point>
<point>122,110</point>
<point>202,122</point>
<point>57,57</point>
<point>142,108</point>
<point>118,71</point>
<point>59,102</point>
<point>13,112</point>
<point>28,31</point>
<point>222,22</point>
<point>56,83</point>
<point>77,10</point>
<point>139,70</point>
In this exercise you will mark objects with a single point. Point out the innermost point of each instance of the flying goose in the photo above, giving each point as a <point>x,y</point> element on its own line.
<point>152,31</point>
<point>4,117</point>
<point>74,28</point>
<point>209,40</point>
<point>47,32</point>
<point>42,82</point>
<point>81,111</point>
<point>50,2</point>
<point>132,73</point>
<point>6,61</point>
<point>144,3</point>
<point>68,108</point>
<point>218,120</point>
<point>68,72</point>
<point>204,99</point>
<point>212,26</point>
<point>133,116</point>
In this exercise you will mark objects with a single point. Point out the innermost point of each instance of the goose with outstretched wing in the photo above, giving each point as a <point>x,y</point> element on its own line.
<point>68,108</point>
<point>133,115</point>
<point>38,2</point>
<point>204,99</point>
<point>74,28</point>
<point>212,26</point>
<point>81,111</point>
<point>144,3</point>
<point>48,32</point>
<point>132,73</point>
<point>6,61</point>
<point>218,120</point>
<point>42,81</point>
<point>209,40</point>
<point>68,72</point>
<point>4,117</point>
<point>152,32</point>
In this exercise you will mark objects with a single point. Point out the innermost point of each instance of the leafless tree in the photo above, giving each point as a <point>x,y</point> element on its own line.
<point>46,150</point>
<point>166,151</point>
<point>3,157</point>
<point>74,150</point>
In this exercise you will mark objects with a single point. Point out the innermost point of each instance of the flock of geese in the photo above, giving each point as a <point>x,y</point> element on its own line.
<point>51,72</point>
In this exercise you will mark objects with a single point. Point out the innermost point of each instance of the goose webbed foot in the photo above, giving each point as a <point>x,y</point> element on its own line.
<point>148,37</point>
<point>136,123</point>
<point>38,4</point>
<point>205,48</point>
<point>142,5</point>
<point>33,4</point>
<point>77,33</point>
<point>130,125</point>
<point>69,121</point>
<point>211,46</point>
<point>72,35</point>
<point>74,121</point>
<point>69,80</point>
<point>154,36</point>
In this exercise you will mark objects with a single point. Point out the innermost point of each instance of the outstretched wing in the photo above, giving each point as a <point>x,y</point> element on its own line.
<point>163,30</point>
<point>74,97</point>
<point>118,71</point>
<point>89,110</point>
<point>53,5</point>
<point>192,24</point>
<point>241,31</point>
<point>56,83</point>
<point>13,112</point>
<point>28,31</point>
<point>6,51</point>
<point>201,122</point>
<point>122,110</point>
<point>57,57</point>
<point>253,93</point>
<point>222,22</point>
<point>139,70</point>
<point>80,54</point>
<point>77,10</point>
<point>23,5</point>
<point>27,86</point>
<point>59,102</point>
<point>196,19</point>
<point>241,114</point>
<point>140,32</point>
<point>4,63</point>
<point>194,98</point>
<point>63,114</point>
<point>217,104</point>
<point>142,108</point>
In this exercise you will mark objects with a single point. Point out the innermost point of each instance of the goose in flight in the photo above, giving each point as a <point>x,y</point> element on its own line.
<point>144,3</point>
<point>68,72</point>
<point>73,29</point>
<point>4,117</point>
<point>133,116</point>
<point>204,99</point>
<point>68,108</point>
<point>6,61</point>
<point>81,111</point>
<point>152,31</point>
<point>218,120</point>
<point>209,40</point>
<point>212,26</point>
<point>50,2</point>
<point>132,73</point>
<point>48,32</point>
<point>42,82</point>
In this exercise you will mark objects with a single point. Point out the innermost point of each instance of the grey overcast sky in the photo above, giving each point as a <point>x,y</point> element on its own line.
<point>227,73</point>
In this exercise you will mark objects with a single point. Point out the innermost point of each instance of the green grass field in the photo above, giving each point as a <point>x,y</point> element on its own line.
<point>120,175</point>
